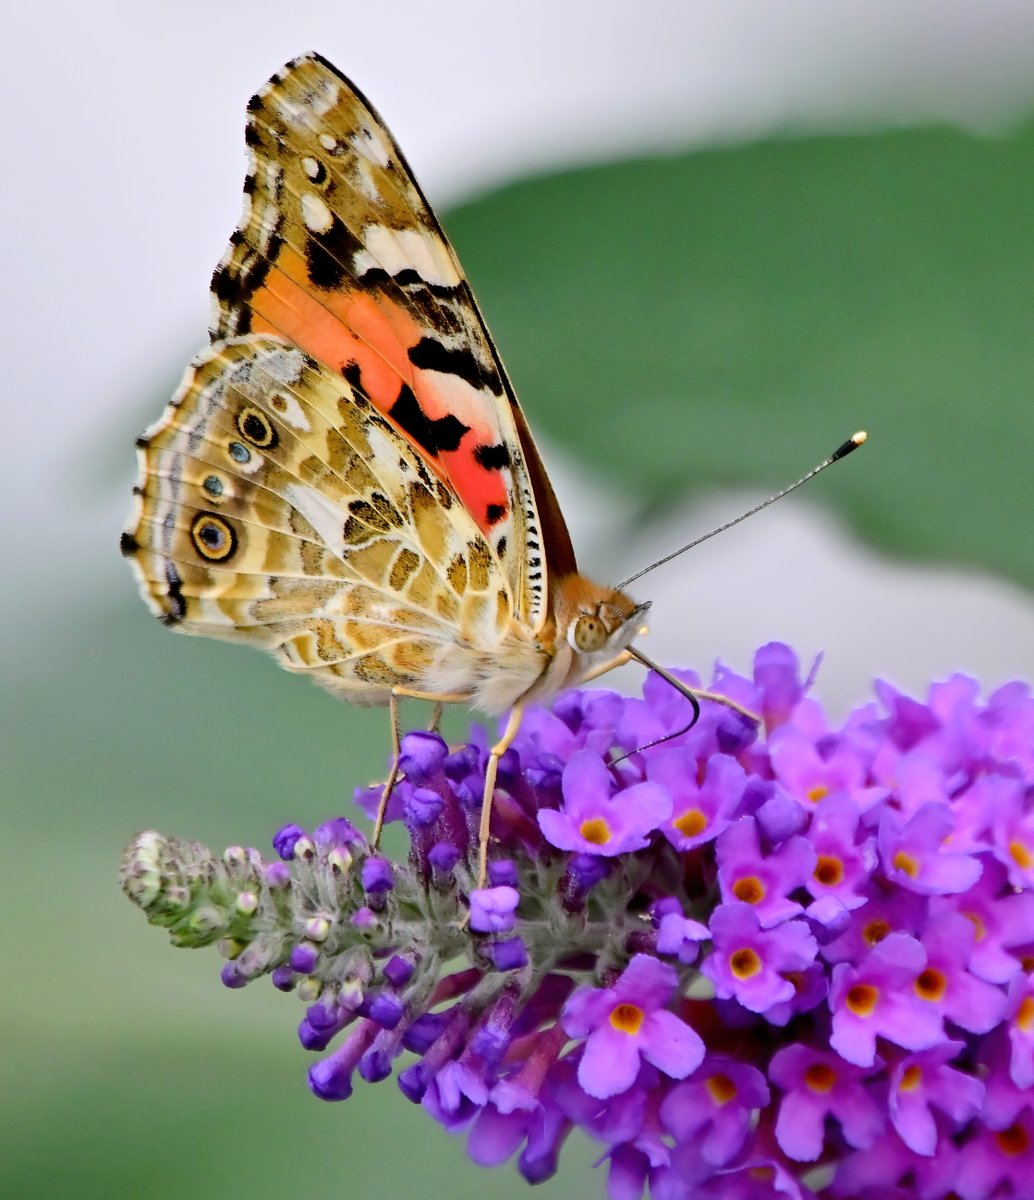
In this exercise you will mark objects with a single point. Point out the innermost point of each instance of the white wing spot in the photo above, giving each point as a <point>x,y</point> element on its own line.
<point>370,144</point>
<point>265,205</point>
<point>321,512</point>
<point>315,213</point>
<point>290,411</point>
<point>290,112</point>
<point>329,142</point>
<point>322,98</point>
<point>245,218</point>
<point>367,184</point>
<point>282,366</point>
<point>401,249</point>
<point>311,167</point>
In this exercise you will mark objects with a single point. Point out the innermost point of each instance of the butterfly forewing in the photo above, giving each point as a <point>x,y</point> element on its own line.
<point>339,253</point>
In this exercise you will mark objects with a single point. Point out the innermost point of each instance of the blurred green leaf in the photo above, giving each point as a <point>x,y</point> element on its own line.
<point>223,1112</point>
<point>729,316</point>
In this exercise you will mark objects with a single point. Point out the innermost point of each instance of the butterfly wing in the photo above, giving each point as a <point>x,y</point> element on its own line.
<point>277,506</point>
<point>339,253</point>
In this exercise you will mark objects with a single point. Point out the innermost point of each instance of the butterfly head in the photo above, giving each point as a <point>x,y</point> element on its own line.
<point>597,622</point>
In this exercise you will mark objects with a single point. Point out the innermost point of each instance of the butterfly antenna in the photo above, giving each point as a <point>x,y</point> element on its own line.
<point>842,451</point>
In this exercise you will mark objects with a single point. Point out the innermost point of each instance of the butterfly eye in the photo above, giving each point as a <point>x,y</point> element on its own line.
<point>587,634</point>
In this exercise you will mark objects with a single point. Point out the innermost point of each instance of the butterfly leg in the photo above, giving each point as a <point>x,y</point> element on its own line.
<point>715,697</point>
<point>393,774</point>
<point>437,697</point>
<point>436,717</point>
<point>396,746</point>
<point>496,753</point>
<point>718,698</point>
<point>693,695</point>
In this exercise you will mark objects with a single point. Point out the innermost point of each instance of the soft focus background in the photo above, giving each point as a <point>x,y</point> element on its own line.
<point>712,237</point>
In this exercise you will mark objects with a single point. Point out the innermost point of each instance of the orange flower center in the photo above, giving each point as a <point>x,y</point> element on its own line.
<point>750,890</point>
<point>744,963</point>
<point>1013,1140</point>
<point>911,1079</point>
<point>797,978</point>
<point>691,823</point>
<point>906,863</point>
<point>829,871</point>
<point>721,1089</point>
<point>1021,855</point>
<point>876,930</point>
<point>627,1018</point>
<point>862,999</point>
<point>817,793</point>
<point>931,984</point>
<point>595,830</point>
<point>820,1077</point>
<point>978,924</point>
<point>1025,1014</point>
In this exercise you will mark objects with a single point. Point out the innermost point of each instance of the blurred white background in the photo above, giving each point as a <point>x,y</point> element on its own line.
<point>124,154</point>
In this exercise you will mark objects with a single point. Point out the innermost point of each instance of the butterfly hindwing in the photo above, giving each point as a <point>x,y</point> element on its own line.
<point>339,253</point>
<point>276,506</point>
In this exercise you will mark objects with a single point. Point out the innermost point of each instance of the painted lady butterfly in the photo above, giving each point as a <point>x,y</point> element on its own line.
<point>345,477</point>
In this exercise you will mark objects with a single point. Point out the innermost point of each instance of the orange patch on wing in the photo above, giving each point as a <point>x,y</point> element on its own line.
<point>338,328</point>
<point>352,326</point>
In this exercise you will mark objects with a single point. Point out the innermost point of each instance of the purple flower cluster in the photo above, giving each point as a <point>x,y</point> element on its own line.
<point>786,960</point>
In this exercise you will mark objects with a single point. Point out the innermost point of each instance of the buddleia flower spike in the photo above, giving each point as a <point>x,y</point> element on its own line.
<point>786,959</point>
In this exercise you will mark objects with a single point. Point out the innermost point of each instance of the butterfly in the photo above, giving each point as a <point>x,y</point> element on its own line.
<point>345,478</point>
